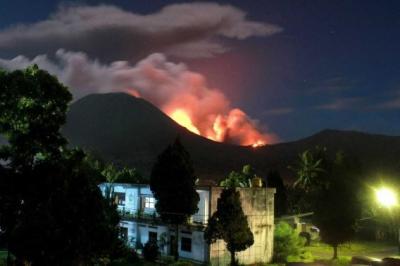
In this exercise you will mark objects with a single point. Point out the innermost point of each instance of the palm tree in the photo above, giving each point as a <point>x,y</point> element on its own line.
<point>307,170</point>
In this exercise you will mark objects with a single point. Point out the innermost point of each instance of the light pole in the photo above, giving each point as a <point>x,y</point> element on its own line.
<point>387,198</point>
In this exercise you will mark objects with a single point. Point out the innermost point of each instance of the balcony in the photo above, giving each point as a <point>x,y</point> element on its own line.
<point>152,217</point>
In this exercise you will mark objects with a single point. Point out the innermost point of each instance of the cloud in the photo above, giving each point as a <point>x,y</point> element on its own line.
<point>391,104</point>
<point>342,104</point>
<point>168,85</point>
<point>278,111</point>
<point>332,85</point>
<point>110,33</point>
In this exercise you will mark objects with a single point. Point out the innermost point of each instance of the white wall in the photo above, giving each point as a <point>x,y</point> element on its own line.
<point>199,250</point>
<point>202,214</point>
<point>139,231</point>
<point>132,232</point>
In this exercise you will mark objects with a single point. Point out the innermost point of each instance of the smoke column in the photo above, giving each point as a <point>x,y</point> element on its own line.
<point>180,93</point>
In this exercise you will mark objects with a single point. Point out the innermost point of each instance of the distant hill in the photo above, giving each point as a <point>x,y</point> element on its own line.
<point>130,131</point>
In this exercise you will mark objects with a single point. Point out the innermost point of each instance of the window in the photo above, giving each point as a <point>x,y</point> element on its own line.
<point>149,202</point>
<point>119,198</point>
<point>153,237</point>
<point>186,244</point>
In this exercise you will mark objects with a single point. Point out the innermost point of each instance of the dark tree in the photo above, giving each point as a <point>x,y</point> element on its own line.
<point>51,211</point>
<point>173,185</point>
<point>312,171</point>
<point>338,208</point>
<point>230,224</point>
<point>32,111</point>
<point>131,176</point>
<point>274,180</point>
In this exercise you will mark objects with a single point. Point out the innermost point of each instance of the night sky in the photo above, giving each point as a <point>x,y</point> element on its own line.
<point>315,64</point>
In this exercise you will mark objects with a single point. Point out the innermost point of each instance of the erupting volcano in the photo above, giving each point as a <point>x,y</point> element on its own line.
<point>183,119</point>
<point>185,96</point>
<point>182,94</point>
<point>235,127</point>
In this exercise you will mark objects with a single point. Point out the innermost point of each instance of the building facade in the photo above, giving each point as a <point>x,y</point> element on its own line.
<point>140,223</point>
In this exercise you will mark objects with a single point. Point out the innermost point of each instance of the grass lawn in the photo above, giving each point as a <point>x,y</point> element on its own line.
<point>361,248</point>
<point>3,257</point>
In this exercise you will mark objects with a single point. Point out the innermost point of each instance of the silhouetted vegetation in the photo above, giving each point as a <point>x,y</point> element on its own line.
<point>329,188</point>
<point>230,224</point>
<point>150,251</point>
<point>173,185</point>
<point>274,180</point>
<point>51,210</point>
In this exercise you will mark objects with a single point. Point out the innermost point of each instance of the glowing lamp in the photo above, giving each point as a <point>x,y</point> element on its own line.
<point>386,197</point>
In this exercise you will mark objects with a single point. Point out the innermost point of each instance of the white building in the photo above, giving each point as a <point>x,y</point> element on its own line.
<point>140,223</point>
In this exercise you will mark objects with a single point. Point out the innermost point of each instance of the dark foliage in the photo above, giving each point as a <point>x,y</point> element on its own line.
<point>51,211</point>
<point>338,207</point>
<point>230,224</point>
<point>274,180</point>
<point>150,251</point>
<point>173,185</point>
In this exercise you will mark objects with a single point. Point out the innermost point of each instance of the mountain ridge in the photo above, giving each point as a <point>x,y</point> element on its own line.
<point>131,131</point>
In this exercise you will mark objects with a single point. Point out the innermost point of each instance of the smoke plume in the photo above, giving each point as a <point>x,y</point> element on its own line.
<point>182,94</point>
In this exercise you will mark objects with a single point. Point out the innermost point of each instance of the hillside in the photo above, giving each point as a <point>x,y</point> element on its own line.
<point>130,131</point>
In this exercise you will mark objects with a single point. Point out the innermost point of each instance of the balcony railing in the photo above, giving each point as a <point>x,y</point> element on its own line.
<point>152,216</point>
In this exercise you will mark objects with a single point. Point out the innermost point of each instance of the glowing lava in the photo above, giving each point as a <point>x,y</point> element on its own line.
<point>258,143</point>
<point>183,119</point>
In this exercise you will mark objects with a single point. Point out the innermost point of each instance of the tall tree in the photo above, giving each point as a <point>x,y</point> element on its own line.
<point>311,171</point>
<point>338,208</point>
<point>51,211</point>
<point>230,224</point>
<point>274,180</point>
<point>173,185</point>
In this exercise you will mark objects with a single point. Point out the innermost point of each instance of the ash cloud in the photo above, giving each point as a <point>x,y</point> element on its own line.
<point>109,33</point>
<point>168,85</point>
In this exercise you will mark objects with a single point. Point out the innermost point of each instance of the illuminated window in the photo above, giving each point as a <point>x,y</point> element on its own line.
<point>149,202</point>
<point>119,198</point>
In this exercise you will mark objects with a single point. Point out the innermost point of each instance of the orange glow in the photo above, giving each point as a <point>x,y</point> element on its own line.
<point>235,127</point>
<point>183,119</point>
<point>258,143</point>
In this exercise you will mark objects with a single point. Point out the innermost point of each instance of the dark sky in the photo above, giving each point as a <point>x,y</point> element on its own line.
<point>335,64</point>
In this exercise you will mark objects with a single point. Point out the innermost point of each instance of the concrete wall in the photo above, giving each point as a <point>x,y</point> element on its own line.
<point>258,206</point>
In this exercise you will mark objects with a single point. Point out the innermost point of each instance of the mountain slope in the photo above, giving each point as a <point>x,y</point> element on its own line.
<point>130,131</point>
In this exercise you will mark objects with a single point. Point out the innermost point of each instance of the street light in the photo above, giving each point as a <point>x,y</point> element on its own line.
<point>386,197</point>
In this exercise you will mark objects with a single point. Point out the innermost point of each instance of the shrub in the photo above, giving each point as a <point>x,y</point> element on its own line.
<point>132,257</point>
<point>287,243</point>
<point>150,251</point>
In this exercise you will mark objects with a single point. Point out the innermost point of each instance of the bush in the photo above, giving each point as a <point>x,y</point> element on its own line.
<point>150,251</point>
<point>131,258</point>
<point>307,237</point>
<point>287,243</point>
